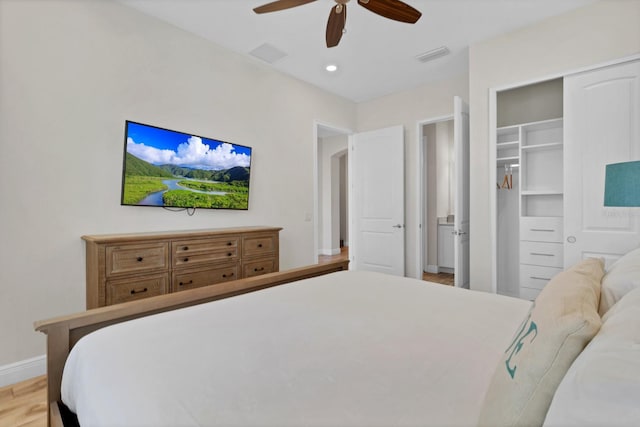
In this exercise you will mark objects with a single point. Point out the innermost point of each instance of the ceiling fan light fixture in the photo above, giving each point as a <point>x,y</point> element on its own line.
<point>433,54</point>
<point>396,10</point>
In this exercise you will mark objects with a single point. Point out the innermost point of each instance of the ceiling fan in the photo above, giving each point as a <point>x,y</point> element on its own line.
<point>392,9</point>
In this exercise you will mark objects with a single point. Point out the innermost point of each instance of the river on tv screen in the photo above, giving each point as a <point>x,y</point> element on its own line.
<point>174,169</point>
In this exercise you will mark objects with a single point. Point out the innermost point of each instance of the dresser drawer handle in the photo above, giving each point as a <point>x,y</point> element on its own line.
<point>229,254</point>
<point>229,243</point>
<point>135,291</point>
<point>539,278</point>
<point>259,245</point>
<point>185,248</point>
<point>190,282</point>
<point>139,259</point>
<point>548,230</point>
<point>227,275</point>
<point>185,260</point>
<point>540,254</point>
<point>258,269</point>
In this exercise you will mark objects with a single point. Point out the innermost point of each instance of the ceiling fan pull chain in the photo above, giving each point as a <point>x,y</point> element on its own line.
<point>344,22</point>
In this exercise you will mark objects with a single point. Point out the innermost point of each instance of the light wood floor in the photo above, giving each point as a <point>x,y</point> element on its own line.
<point>442,278</point>
<point>24,404</point>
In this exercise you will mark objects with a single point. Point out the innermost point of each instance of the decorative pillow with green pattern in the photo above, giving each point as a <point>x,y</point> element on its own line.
<point>562,321</point>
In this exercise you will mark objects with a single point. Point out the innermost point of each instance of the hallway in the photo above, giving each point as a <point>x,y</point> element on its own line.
<point>441,278</point>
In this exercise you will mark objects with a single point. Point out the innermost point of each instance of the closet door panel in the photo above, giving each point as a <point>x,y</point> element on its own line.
<point>602,126</point>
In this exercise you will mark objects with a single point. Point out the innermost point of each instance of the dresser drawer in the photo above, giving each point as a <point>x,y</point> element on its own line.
<point>541,253</point>
<point>197,279</point>
<point>529,293</point>
<point>259,245</point>
<point>258,267</point>
<point>535,276</point>
<point>541,229</point>
<point>125,259</point>
<point>130,266</point>
<point>187,253</point>
<point>135,288</point>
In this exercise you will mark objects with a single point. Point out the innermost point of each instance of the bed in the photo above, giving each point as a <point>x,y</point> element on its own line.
<point>330,347</point>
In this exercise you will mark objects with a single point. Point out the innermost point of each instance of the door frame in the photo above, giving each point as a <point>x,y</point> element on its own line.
<point>421,167</point>
<point>315,216</point>
<point>493,122</point>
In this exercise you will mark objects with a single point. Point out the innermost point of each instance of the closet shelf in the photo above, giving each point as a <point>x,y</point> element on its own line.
<point>512,161</point>
<point>543,124</point>
<point>541,192</point>
<point>539,147</point>
<point>506,145</point>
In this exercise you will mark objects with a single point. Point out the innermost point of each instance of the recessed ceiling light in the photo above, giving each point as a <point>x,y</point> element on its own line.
<point>332,68</point>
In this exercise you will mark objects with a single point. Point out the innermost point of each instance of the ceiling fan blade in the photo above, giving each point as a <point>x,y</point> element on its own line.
<point>280,5</point>
<point>335,24</point>
<point>392,9</point>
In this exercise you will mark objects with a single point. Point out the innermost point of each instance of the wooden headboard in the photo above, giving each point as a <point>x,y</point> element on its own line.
<point>64,332</point>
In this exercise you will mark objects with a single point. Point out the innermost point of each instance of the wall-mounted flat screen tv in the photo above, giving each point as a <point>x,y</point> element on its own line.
<point>173,169</point>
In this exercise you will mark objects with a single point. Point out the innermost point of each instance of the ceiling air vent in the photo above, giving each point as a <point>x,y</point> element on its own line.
<point>268,53</point>
<point>433,54</point>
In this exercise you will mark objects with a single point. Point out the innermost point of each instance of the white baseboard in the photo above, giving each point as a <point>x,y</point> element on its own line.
<point>329,252</point>
<point>23,370</point>
<point>433,269</point>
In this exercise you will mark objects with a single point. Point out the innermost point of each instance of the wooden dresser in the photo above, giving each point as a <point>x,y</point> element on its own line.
<point>127,267</point>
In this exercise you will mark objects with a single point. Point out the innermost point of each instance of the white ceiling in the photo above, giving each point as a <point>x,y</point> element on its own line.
<point>376,56</point>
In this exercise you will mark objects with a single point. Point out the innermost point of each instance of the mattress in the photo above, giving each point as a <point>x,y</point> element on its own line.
<point>346,349</point>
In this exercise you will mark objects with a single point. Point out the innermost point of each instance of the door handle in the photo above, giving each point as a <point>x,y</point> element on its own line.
<point>398,226</point>
<point>458,232</point>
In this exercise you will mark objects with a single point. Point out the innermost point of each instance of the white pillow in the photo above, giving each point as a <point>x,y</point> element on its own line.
<point>622,277</point>
<point>602,387</point>
<point>562,321</point>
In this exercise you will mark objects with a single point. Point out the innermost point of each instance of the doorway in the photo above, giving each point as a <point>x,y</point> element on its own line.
<point>352,197</point>
<point>438,196</point>
<point>331,229</point>
<point>452,220</point>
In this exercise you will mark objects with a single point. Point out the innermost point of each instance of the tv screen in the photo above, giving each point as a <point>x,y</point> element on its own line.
<point>179,170</point>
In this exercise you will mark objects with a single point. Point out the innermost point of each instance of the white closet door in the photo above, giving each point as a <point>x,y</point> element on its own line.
<point>602,126</point>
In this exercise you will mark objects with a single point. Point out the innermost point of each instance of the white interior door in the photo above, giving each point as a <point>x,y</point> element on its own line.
<point>461,165</point>
<point>377,200</point>
<point>602,126</point>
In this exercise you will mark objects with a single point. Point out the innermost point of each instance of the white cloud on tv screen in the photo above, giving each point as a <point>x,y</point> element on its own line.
<point>193,154</point>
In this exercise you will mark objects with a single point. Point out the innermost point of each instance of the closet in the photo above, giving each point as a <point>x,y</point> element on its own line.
<point>552,142</point>
<point>529,162</point>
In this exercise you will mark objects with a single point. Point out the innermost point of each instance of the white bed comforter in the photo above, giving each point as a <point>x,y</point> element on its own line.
<point>347,349</point>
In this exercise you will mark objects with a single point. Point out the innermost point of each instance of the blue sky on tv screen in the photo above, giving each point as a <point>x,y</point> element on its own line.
<point>162,146</point>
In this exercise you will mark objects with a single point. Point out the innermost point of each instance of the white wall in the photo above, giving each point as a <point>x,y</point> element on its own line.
<point>408,108</point>
<point>593,34</point>
<point>438,199</point>
<point>330,150</point>
<point>71,72</point>
<point>430,226</point>
<point>444,163</point>
<point>531,103</point>
<point>344,199</point>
